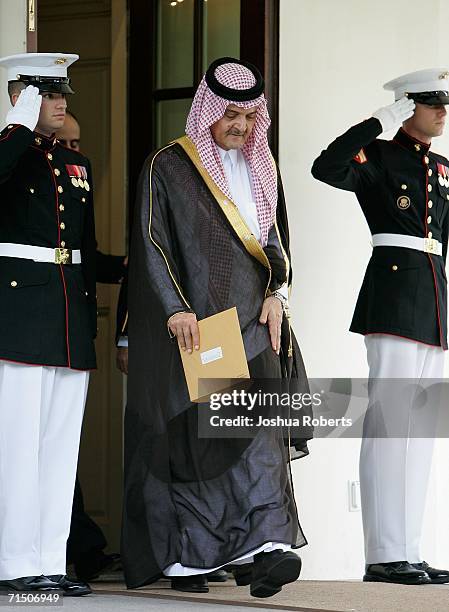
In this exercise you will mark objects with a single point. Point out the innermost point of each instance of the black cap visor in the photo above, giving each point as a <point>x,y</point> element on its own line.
<point>47,84</point>
<point>430,97</point>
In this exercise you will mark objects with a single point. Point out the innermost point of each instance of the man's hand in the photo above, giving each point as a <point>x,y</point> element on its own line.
<point>121,359</point>
<point>27,108</point>
<point>185,327</point>
<point>272,314</point>
<point>394,115</point>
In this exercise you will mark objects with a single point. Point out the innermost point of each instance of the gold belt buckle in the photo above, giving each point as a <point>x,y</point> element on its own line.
<point>63,256</point>
<point>430,245</point>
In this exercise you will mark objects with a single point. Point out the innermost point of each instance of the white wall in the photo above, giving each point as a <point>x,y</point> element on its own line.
<point>13,24</point>
<point>335,56</point>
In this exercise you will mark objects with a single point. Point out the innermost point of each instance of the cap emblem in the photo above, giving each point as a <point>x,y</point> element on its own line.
<point>444,75</point>
<point>61,60</point>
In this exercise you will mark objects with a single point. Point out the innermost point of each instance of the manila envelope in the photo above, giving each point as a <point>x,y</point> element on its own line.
<point>220,359</point>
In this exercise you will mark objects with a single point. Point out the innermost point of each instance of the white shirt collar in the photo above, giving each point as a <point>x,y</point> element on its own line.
<point>233,155</point>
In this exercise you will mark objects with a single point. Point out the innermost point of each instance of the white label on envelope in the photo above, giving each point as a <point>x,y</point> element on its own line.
<point>211,355</point>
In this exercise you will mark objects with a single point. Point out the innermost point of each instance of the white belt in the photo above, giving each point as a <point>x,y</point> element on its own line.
<point>426,245</point>
<point>40,254</point>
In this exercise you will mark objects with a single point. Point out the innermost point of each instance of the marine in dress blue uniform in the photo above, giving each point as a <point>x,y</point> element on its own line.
<point>47,323</point>
<point>403,189</point>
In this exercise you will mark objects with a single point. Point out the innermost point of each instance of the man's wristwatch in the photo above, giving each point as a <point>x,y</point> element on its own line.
<point>281,298</point>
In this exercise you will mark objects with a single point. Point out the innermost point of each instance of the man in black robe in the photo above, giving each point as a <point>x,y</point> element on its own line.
<point>210,233</point>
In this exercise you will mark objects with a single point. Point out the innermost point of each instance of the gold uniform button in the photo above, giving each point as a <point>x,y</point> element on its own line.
<point>62,225</point>
<point>57,172</point>
<point>38,140</point>
<point>429,235</point>
<point>426,159</point>
<point>404,187</point>
<point>418,147</point>
<point>83,199</point>
<point>429,188</point>
<point>430,172</point>
<point>429,219</point>
<point>13,283</point>
<point>31,190</point>
<point>49,156</point>
<point>61,207</point>
<point>60,189</point>
<point>62,243</point>
<point>394,268</point>
<point>430,203</point>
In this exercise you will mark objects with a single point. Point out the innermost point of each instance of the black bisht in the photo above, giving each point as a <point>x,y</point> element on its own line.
<point>189,500</point>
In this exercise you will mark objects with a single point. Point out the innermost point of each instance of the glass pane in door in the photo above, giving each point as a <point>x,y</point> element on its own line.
<point>175,40</point>
<point>221,30</point>
<point>171,120</point>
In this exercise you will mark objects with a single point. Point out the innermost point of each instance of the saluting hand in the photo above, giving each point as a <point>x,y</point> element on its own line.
<point>185,327</point>
<point>394,115</point>
<point>272,314</point>
<point>26,109</point>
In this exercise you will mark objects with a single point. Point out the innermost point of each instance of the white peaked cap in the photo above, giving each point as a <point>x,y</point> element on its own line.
<point>432,79</point>
<point>38,64</point>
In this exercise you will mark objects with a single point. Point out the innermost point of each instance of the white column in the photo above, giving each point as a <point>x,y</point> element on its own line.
<point>13,24</point>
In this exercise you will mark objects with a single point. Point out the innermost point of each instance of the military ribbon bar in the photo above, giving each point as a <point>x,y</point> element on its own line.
<point>76,171</point>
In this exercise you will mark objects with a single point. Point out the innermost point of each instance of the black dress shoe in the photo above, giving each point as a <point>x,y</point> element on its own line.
<point>217,576</point>
<point>90,566</point>
<point>70,588</point>
<point>437,576</point>
<point>272,570</point>
<point>243,574</point>
<point>29,583</point>
<point>398,572</point>
<point>190,584</point>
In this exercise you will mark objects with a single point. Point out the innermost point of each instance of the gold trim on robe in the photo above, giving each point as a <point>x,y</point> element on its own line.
<point>230,210</point>
<point>149,228</point>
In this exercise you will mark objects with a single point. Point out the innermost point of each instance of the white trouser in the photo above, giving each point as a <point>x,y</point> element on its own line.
<point>394,471</point>
<point>41,411</point>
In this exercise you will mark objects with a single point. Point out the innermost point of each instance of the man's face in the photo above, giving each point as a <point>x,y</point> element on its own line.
<point>428,119</point>
<point>69,134</point>
<point>52,114</point>
<point>234,128</point>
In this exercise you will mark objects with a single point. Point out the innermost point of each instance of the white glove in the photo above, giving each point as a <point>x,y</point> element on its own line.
<point>394,115</point>
<point>27,108</point>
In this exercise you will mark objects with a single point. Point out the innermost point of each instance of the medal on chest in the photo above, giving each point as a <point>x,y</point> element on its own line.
<point>78,176</point>
<point>443,175</point>
<point>403,202</point>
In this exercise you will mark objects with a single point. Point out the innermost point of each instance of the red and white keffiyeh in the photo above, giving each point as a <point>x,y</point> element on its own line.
<point>207,108</point>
